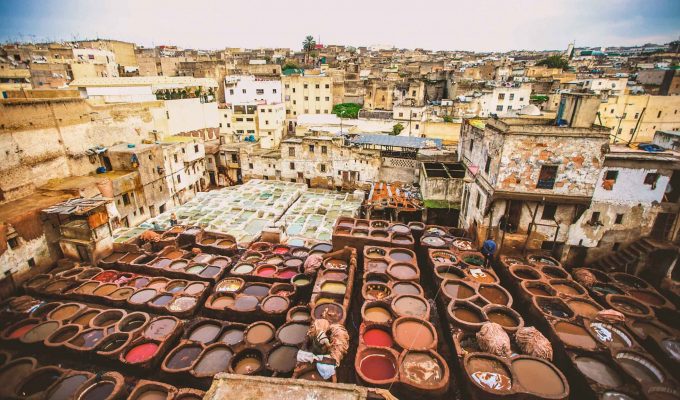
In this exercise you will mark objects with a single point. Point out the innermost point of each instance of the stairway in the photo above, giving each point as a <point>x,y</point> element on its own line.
<point>629,258</point>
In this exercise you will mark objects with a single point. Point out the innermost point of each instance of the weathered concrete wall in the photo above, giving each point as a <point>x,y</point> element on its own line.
<point>15,260</point>
<point>578,163</point>
<point>441,189</point>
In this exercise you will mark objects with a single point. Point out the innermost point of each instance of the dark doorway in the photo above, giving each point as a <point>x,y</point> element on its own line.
<point>576,258</point>
<point>83,253</point>
<point>107,163</point>
<point>213,182</point>
<point>663,226</point>
<point>510,221</point>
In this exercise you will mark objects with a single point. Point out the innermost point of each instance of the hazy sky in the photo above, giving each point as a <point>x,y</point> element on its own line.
<point>480,25</point>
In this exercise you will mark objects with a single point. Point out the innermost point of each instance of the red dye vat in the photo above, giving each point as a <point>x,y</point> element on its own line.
<point>106,276</point>
<point>286,274</point>
<point>378,367</point>
<point>266,271</point>
<point>19,332</point>
<point>141,353</point>
<point>377,337</point>
<point>280,250</point>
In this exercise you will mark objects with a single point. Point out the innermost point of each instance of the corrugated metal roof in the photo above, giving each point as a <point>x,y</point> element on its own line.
<point>398,141</point>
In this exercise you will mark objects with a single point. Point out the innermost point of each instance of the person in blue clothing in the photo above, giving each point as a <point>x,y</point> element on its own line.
<point>488,249</point>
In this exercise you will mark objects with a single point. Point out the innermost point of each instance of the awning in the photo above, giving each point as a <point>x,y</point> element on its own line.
<point>541,197</point>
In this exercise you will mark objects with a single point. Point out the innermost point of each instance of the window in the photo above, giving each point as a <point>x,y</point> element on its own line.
<point>616,246</point>
<point>13,243</point>
<point>196,148</point>
<point>324,150</point>
<point>31,262</point>
<point>317,86</point>
<point>287,86</point>
<point>328,86</point>
<point>479,199</point>
<point>244,91</point>
<point>401,114</point>
<point>521,99</point>
<point>141,210</point>
<point>547,176</point>
<point>292,165</point>
<point>273,90</point>
<point>306,98</point>
<point>291,151</point>
<point>239,119</point>
<point>651,178</point>
<point>327,98</point>
<point>512,96</point>
<point>595,218</point>
<point>619,219</point>
<point>318,98</point>
<point>637,115</point>
<point>311,148</point>
<point>624,115</point>
<point>323,167</point>
<point>259,91</point>
<point>231,91</point>
<point>611,175</point>
<point>318,111</point>
<point>472,143</point>
<point>658,115</point>
<point>250,165</point>
<point>126,199</point>
<point>249,120</point>
<point>549,210</point>
<point>499,108</point>
<point>417,126</point>
<point>487,166</point>
<point>305,86</point>
<point>179,179</point>
<point>501,96</point>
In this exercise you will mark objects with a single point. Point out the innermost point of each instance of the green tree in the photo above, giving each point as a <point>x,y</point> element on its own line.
<point>309,44</point>
<point>347,110</point>
<point>290,65</point>
<point>447,118</point>
<point>556,61</point>
<point>396,129</point>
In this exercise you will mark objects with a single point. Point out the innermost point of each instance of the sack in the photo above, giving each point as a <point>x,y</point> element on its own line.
<point>585,277</point>
<point>610,316</point>
<point>493,339</point>
<point>532,342</point>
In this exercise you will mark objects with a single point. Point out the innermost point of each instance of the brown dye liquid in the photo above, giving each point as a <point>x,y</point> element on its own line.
<point>275,304</point>
<point>122,293</point>
<point>565,288</point>
<point>182,303</point>
<point>377,291</point>
<point>458,290</point>
<point>160,328</point>
<point>376,266</point>
<point>87,288</point>
<point>232,336</point>
<point>213,361</point>
<point>647,297</point>
<point>64,312</point>
<point>183,357</point>
<point>627,306</point>
<point>40,332</point>
<point>130,257</point>
<point>481,276</point>
<point>283,358</point>
<point>256,290</point>
<point>413,335</point>
<point>259,333</point>
<point>153,395</point>
<point>638,370</point>
<point>526,273</point>
<point>205,333</point>
<point>538,377</point>
<point>600,372</point>
<point>411,306</point>
<point>575,335</point>
<point>494,295</point>
<point>404,271</point>
<point>245,303</point>
<point>293,333</point>
<point>223,302</point>
<point>247,365</point>
<point>67,388</point>
<point>422,369</point>
<point>64,334</point>
<point>194,288</point>
<point>467,315</point>
<point>405,288</point>
<point>584,308</point>
<point>401,256</point>
<point>105,290</point>
<point>538,291</point>
<point>502,319</point>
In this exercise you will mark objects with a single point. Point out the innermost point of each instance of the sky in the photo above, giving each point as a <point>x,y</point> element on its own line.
<point>478,25</point>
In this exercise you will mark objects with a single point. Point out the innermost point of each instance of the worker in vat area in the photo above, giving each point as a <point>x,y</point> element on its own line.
<point>488,249</point>
<point>173,219</point>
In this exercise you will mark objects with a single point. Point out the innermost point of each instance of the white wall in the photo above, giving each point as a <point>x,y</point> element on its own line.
<point>187,115</point>
<point>630,187</point>
<point>236,85</point>
<point>488,102</point>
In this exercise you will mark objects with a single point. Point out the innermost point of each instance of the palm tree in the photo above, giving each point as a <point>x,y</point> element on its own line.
<point>308,45</point>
